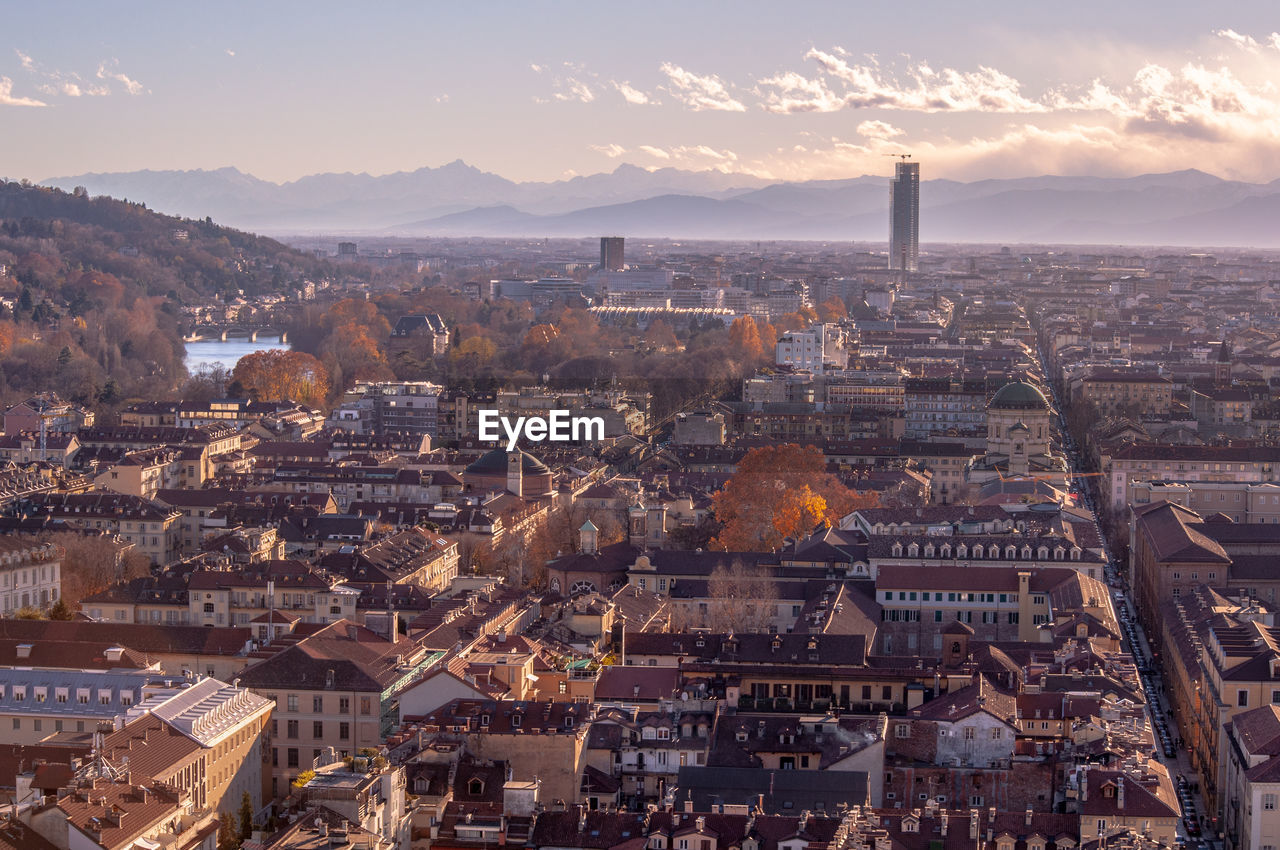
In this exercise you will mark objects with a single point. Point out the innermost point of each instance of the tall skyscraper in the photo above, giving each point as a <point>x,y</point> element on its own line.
<point>611,253</point>
<point>904,217</point>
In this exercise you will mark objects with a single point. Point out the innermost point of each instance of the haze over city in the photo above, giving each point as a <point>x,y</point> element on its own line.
<point>547,91</point>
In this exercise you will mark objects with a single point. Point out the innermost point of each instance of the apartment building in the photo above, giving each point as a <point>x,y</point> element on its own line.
<point>1221,405</point>
<point>204,737</point>
<point>37,703</point>
<point>336,688</point>
<point>152,528</point>
<point>1114,392</point>
<point>1137,462</point>
<point>944,405</point>
<point>30,573</point>
<point>1241,501</point>
<point>1252,819</point>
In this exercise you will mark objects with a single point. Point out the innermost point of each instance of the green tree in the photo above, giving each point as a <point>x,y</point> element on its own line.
<point>246,816</point>
<point>60,610</point>
<point>227,838</point>
<point>110,393</point>
<point>29,612</point>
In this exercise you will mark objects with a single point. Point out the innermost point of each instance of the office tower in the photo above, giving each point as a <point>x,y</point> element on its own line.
<point>611,253</point>
<point>904,217</point>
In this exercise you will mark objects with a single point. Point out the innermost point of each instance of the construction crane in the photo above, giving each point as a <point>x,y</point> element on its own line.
<point>902,156</point>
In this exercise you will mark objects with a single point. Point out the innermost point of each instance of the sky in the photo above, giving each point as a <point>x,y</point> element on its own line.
<point>548,90</point>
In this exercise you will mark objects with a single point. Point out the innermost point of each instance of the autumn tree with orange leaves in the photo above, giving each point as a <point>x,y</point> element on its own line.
<point>282,375</point>
<point>744,339</point>
<point>832,310</point>
<point>780,492</point>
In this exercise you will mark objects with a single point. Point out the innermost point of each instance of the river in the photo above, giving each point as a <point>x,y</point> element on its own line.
<point>207,353</point>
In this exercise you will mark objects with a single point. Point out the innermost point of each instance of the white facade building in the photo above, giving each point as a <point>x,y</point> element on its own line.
<point>30,573</point>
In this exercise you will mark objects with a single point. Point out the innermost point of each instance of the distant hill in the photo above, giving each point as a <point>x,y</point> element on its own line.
<point>1178,208</point>
<point>160,253</point>
<point>94,289</point>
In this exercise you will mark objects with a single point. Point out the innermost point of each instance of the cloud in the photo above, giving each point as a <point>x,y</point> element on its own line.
<point>441,98</point>
<point>693,156</point>
<point>577,86</point>
<point>575,90</point>
<point>1238,39</point>
<point>878,130</point>
<point>109,71</point>
<point>1027,148</point>
<point>1248,42</point>
<point>230,52</point>
<point>7,97</point>
<point>700,92</point>
<point>631,95</point>
<point>64,83</point>
<point>613,151</point>
<point>844,85</point>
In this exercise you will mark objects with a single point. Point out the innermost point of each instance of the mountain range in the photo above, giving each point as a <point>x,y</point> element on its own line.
<point>1189,208</point>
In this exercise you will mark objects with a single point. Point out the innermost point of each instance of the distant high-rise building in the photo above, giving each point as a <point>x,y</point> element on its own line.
<point>611,253</point>
<point>346,249</point>
<point>904,217</point>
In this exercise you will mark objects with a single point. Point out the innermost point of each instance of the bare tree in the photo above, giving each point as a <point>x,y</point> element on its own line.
<point>93,563</point>
<point>741,599</point>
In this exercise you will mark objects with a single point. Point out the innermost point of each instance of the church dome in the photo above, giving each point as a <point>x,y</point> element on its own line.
<point>495,463</point>
<point>1018,396</point>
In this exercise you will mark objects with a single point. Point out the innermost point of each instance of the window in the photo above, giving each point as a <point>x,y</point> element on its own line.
<point>1269,802</point>
<point>317,729</point>
<point>208,607</point>
<point>344,705</point>
<point>344,731</point>
<point>969,733</point>
<point>902,730</point>
<point>366,705</point>
<point>317,705</point>
<point>1242,698</point>
<point>291,757</point>
<point>293,729</point>
<point>292,702</point>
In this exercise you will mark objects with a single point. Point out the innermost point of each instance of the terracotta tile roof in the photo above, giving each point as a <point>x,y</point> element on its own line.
<point>114,814</point>
<point>982,697</point>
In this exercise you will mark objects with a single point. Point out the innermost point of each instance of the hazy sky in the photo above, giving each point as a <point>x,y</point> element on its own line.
<point>544,90</point>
